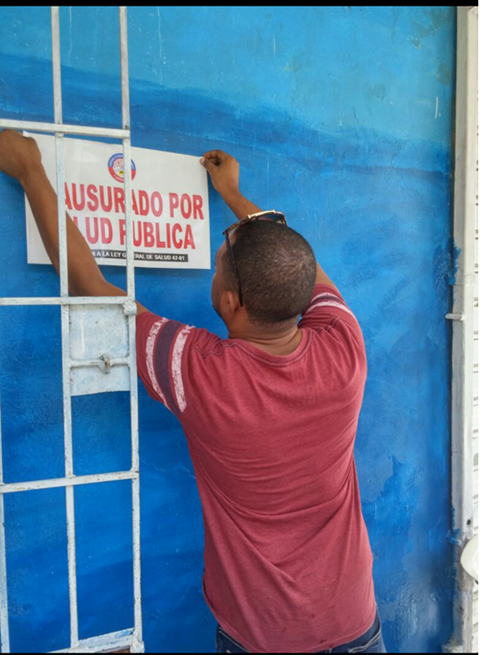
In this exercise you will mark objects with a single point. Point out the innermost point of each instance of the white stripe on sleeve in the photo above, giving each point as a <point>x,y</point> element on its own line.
<point>327,295</point>
<point>329,303</point>
<point>176,367</point>
<point>150,346</point>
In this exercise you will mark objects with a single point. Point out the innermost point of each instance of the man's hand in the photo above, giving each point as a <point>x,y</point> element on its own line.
<point>18,154</point>
<point>224,171</point>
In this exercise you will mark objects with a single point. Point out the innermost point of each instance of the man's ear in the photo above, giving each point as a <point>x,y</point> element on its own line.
<point>229,303</point>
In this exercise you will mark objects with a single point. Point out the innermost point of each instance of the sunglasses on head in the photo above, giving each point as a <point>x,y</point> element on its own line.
<point>272,215</point>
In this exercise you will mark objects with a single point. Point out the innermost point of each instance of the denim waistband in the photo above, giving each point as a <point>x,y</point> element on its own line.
<point>358,645</point>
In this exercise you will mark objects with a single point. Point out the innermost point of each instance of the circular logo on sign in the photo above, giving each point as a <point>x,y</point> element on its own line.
<point>116,167</point>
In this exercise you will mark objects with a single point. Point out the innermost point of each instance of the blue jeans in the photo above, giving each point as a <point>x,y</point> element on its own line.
<point>370,642</point>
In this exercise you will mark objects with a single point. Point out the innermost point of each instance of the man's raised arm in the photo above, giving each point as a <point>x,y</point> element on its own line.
<point>224,171</point>
<point>21,159</point>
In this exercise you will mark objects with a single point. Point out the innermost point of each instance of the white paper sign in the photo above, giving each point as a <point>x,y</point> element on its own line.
<point>169,204</point>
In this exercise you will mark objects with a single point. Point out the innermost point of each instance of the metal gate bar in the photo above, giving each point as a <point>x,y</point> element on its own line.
<point>130,638</point>
<point>71,300</point>
<point>79,130</point>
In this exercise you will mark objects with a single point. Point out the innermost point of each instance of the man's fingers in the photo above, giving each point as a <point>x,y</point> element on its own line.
<point>219,155</point>
<point>214,160</point>
<point>206,163</point>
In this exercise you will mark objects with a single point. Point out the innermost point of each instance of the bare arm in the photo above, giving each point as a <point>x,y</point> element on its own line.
<point>240,205</point>
<point>20,158</point>
<point>224,171</point>
<point>323,278</point>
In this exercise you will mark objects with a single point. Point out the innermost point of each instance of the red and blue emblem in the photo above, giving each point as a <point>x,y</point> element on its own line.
<point>116,167</point>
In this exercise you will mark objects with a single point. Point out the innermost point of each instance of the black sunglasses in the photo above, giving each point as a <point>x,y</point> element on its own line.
<point>271,215</point>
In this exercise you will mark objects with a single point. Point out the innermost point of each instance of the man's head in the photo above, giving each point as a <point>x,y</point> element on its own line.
<point>277,270</point>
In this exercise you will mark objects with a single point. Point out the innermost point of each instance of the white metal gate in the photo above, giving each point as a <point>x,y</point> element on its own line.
<point>99,360</point>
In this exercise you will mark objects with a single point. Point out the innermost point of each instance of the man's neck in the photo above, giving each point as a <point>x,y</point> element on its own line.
<point>283,344</point>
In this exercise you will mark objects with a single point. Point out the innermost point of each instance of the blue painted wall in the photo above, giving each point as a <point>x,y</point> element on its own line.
<point>341,117</point>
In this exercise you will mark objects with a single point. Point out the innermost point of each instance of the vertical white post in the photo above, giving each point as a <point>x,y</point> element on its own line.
<point>63,274</point>
<point>3,561</point>
<point>124,78</point>
<point>463,330</point>
<point>130,311</point>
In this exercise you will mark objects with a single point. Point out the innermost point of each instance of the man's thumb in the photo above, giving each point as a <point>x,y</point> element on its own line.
<point>206,163</point>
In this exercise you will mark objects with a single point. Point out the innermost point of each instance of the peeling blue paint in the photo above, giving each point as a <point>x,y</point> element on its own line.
<point>345,139</point>
<point>454,534</point>
<point>456,255</point>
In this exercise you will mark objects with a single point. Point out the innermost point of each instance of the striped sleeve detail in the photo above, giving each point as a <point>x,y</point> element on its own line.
<point>176,367</point>
<point>150,348</point>
<point>327,300</point>
<point>162,361</point>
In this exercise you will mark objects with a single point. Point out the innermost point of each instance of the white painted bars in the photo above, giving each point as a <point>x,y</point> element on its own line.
<point>131,317</point>
<point>63,276</point>
<point>81,130</point>
<point>75,300</point>
<point>132,637</point>
<point>73,481</point>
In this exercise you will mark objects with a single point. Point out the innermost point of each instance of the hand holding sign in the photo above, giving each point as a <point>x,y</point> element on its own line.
<point>224,171</point>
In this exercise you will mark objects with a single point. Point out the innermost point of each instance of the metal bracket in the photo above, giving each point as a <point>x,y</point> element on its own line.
<point>130,308</point>
<point>456,317</point>
<point>99,346</point>
<point>104,364</point>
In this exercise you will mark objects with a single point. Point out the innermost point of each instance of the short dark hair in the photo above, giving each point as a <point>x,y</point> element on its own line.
<point>277,270</point>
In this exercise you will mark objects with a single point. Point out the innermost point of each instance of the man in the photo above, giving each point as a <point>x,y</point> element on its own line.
<point>270,415</point>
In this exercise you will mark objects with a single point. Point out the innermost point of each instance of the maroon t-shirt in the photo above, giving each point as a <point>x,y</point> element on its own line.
<point>288,565</point>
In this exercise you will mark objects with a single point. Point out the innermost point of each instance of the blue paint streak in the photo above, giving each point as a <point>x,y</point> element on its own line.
<point>368,182</point>
<point>457,255</point>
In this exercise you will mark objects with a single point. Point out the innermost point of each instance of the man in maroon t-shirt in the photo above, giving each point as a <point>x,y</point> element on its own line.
<point>270,415</point>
